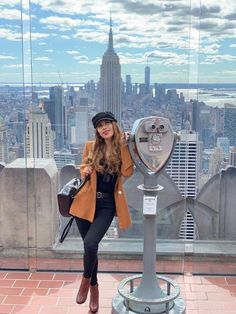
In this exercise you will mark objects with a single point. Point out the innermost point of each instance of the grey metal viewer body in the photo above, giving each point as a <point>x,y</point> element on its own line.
<point>151,144</point>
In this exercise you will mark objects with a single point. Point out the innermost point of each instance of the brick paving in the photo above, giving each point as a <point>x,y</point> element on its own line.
<point>54,292</point>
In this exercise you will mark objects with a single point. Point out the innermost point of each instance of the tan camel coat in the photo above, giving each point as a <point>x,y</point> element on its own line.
<point>84,203</point>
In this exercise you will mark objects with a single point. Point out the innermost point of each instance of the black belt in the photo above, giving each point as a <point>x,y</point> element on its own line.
<point>103,195</point>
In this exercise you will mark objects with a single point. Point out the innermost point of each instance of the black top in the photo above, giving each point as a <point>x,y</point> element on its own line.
<point>106,182</point>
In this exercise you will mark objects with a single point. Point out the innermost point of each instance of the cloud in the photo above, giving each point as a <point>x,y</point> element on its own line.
<point>210,49</point>
<point>139,7</point>
<point>5,57</point>
<point>65,36</point>
<point>72,7</point>
<point>14,66</point>
<point>41,59</point>
<point>82,59</point>
<point>72,52</point>
<point>10,3</point>
<point>168,58</point>
<point>206,12</point>
<point>88,35</point>
<point>14,36</point>
<point>65,23</point>
<point>168,31</point>
<point>219,58</point>
<point>12,14</point>
<point>231,16</point>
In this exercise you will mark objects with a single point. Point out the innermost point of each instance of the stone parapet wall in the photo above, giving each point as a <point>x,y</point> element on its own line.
<point>29,215</point>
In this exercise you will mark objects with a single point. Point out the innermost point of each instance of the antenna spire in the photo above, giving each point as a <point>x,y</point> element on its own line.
<point>110,42</point>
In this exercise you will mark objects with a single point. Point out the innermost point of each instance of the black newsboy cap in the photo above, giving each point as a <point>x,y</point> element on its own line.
<point>101,116</point>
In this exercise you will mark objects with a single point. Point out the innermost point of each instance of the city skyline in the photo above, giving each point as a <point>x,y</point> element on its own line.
<point>179,40</point>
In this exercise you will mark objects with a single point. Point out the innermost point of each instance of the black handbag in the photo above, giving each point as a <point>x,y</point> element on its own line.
<point>65,198</point>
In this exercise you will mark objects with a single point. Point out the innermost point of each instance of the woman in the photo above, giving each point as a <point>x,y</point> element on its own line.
<point>105,160</point>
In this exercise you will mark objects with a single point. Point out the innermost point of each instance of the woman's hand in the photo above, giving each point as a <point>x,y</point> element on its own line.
<point>87,171</point>
<point>125,138</point>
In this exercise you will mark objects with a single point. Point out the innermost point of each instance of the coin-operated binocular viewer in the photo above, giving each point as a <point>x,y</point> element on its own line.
<point>151,144</point>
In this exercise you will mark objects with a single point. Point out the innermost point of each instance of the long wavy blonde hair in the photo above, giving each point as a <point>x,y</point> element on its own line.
<point>97,158</point>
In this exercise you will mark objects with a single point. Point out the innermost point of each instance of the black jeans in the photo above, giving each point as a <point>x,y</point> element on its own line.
<point>92,234</point>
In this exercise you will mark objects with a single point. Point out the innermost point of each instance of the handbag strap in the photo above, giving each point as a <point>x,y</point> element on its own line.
<point>66,230</point>
<point>69,224</point>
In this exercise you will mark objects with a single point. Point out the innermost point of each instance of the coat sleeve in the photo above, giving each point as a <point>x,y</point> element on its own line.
<point>127,165</point>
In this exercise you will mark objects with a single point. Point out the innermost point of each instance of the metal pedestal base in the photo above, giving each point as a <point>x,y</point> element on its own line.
<point>166,302</point>
<point>118,307</point>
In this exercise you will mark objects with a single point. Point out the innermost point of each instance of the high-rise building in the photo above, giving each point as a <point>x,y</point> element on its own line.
<point>223,142</point>
<point>230,123</point>
<point>183,169</point>
<point>232,156</point>
<point>56,112</point>
<point>160,93</point>
<point>81,125</point>
<point>184,164</point>
<point>110,80</point>
<point>39,135</point>
<point>83,101</point>
<point>3,141</point>
<point>195,115</point>
<point>216,162</point>
<point>147,79</point>
<point>205,128</point>
<point>64,157</point>
<point>128,85</point>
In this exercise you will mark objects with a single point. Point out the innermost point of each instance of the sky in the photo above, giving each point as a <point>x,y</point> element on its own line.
<point>64,40</point>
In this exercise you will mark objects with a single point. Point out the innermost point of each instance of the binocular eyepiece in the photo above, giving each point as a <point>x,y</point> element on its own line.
<point>152,144</point>
<point>155,125</point>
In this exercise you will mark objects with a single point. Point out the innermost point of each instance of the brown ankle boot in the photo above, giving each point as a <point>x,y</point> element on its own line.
<point>83,290</point>
<point>94,299</point>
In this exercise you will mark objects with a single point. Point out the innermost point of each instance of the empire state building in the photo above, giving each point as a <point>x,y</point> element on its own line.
<point>110,80</point>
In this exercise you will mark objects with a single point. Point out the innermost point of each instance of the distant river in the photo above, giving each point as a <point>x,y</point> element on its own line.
<point>211,97</point>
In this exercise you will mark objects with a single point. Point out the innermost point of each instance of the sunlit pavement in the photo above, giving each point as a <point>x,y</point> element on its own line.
<point>55,292</point>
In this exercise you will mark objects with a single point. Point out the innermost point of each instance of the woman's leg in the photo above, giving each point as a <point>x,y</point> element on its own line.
<point>92,234</point>
<point>83,226</point>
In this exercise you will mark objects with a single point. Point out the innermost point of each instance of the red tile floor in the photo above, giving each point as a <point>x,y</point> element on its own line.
<point>55,292</point>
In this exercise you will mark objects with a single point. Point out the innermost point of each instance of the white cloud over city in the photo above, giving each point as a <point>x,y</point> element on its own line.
<point>166,34</point>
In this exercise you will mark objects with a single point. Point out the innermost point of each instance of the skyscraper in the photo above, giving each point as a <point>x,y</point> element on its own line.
<point>3,141</point>
<point>56,113</point>
<point>147,79</point>
<point>110,80</point>
<point>183,169</point>
<point>183,166</point>
<point>81,120</point>
<point>232,156</point>
<point>128,86</point>
<point>223,142</point>
<point>230,123</point>
<point>39,136</point>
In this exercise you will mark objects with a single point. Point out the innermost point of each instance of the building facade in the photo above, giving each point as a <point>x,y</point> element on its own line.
<point>232,156</point>
<point>39,135</point>
<point>3,142</point>
<point>57,114</point>
<point>229,123</point>
<point>110,80</point>
<point>184,164</point>
<point>81,125</point>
